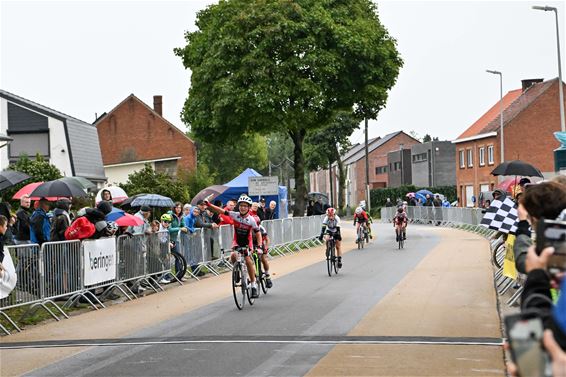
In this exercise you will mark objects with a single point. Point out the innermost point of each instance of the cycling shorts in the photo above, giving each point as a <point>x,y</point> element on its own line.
<point>336,235</point>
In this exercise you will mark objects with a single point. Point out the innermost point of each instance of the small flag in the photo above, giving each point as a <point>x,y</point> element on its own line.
<point>501,216</point>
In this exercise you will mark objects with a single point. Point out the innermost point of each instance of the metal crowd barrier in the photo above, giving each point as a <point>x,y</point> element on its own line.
<point>56,270</point>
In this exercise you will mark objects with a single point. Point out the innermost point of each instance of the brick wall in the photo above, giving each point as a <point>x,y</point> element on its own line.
<point>133,132</point>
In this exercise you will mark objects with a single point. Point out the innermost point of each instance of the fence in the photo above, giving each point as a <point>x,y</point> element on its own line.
<point>467,219</point>
<point>73,270</point>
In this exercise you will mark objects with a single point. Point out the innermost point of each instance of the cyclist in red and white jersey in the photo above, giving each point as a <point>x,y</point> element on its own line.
<point>244,228</point>
<point>360,219</point>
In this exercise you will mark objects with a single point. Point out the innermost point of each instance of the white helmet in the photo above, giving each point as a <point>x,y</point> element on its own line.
<point>245,199</point>
<point>358,210</point>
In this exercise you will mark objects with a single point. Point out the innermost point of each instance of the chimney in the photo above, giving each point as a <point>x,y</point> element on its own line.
<point>158,104</point>
<point>526,84</point>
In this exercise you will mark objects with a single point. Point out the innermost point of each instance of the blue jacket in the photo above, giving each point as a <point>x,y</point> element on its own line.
<point>190,221</point>
<point>40,227</point>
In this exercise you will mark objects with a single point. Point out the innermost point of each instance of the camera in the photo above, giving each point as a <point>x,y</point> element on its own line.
<point>552,233</point>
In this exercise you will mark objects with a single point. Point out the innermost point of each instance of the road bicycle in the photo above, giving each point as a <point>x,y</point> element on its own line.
<point>362,236</point>
<point>399,237</point>
<point>241,284</point>
<point>331,263</point>
<point>261,278</point>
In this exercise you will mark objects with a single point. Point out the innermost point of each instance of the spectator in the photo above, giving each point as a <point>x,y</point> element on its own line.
<point>8,277</point>
<point>5,210</point>
<point>253,209</point>
<point>22,225</point>
<point>204,220</point>
<point>215,216</point>
<point>61,219</point>
<point>186,209</point>
<point>388,203</point>
<point>499,194</point>
<point>260,210</point>
<point>437,202</point>
<point>227,220</point>
<point>270,212</point>
<point>546,200</point>
<point>310,208</point>
<point>191,219</point>
<point>174,228</point>
<point>40,225</point>
<point>3,227</point>
<point>428,202</point>
<point>106,195</point>
<point>144,213</point>
<point>318,208</point>
<point>154,226</point>
<point>560,179</point>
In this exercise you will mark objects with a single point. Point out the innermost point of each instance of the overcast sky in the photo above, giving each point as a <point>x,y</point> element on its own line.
<point>84,57</point>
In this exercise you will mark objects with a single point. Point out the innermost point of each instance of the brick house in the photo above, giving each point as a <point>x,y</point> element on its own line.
<point>133,134</point>
<point>354,165</point>
<point>530,116</point>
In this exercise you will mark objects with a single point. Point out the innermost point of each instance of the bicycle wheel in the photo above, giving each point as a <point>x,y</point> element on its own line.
<point>359,239</point>
<point>334,259</point>
<point>328,259</point>
<point>258,273</point>
<point>180,265</point>
<point>261,281</point>
<point>251,300</point>
<point>400,241</point>
<point>238,286</point>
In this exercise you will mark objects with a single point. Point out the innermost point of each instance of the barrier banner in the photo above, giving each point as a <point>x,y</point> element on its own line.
<point>509,269</point>
<point>99,260</point>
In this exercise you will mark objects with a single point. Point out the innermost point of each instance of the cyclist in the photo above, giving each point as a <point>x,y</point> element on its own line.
<point>370,220</point>
<point>331,228</point>
<point>400,224</point>
<point>360,219</point>
<point>244,228</point>
<point>265,248</point>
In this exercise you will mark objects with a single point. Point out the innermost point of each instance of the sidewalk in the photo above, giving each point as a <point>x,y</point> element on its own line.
<point>449,294</point>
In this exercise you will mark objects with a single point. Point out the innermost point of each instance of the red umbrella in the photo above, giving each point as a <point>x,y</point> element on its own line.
<point>509,184</point>
<point>26,190</point>
<point>129,220</point>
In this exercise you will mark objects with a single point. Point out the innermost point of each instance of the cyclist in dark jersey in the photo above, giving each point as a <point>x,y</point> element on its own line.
<point>244,228</point>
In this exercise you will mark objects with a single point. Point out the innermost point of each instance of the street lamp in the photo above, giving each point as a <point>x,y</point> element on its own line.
<point>500,110</point>
<point>560,93</point>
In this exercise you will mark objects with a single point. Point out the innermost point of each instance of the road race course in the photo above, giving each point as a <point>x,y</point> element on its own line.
<point>429,309</point>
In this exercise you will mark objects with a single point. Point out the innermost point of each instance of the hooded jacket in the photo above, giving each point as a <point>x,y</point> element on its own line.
<point>40,227</point>
<point>61,222</point>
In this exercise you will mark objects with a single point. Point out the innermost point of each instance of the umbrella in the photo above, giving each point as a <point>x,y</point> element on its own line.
<point>26,190</point>
<point>115,214</point>
<point>152,200</point>
<point>508,184</point>
<point>118,195</point>
<point>129,220</point>
<point>79,181</point>
<point>517,167</point>
<point>421,197</point>
<point>211,190</point>
<point>58,189</point>
<point>9,178</point>
<point>410,195</point>
<point>424,192</point>
<point>127,204</point>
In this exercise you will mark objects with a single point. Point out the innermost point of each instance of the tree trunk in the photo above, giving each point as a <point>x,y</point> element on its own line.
<point>300,188</point>
<point>341,185</point>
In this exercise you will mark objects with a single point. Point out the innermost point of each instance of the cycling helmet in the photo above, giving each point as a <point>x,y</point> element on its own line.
<point>330,211</point>
<point>111,227</point>
<point>245,199</point>
<point>358,210</point>
<point>400,210</point>
<point>166,217</point>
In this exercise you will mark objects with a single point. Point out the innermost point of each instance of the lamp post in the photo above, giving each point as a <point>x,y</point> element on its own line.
<point>500,111</point>
<point>560,90</point>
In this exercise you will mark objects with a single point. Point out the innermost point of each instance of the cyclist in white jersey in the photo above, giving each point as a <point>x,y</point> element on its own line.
<point>331,228</point>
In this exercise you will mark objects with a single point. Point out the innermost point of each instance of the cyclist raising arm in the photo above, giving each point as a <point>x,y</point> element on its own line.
<point>244,226</point>
<point>331,228</point>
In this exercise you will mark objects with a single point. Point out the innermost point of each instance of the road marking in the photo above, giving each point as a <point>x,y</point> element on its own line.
<point>312,340</point>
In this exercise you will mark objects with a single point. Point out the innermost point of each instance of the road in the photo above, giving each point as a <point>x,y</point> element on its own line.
<point>308,316</point>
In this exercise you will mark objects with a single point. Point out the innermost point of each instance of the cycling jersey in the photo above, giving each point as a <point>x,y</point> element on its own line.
<point>244,226</point>
<point>400,218</point>
<point>361,217</point>
<point>332,227</point>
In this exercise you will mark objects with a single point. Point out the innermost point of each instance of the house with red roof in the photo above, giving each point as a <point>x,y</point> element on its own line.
<point>531,115</point>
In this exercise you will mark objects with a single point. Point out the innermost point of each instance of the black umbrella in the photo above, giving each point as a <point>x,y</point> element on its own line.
<point>58,189</point>
<point>9,178</point>
<point>517,167</point>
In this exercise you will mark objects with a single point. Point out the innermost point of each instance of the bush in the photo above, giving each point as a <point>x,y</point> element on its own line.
<point>379,196</point>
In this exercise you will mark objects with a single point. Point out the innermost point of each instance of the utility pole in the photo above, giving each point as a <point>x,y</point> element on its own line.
<point>367,167</point>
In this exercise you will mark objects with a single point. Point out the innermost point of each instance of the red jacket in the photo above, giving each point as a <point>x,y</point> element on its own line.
<point>224,219</point>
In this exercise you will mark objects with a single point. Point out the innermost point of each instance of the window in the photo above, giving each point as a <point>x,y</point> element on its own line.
<point>462,162</point>
<point>470,158</point>
<point>168,167</point>
<point>490,154</point>
<point>420,157</point>
<point>397,166</point>
<point>482,156</point>
<point>381,170</point>
<point>29,144</point>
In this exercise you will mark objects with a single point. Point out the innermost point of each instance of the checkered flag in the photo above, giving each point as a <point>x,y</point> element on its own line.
<point>501,216</point>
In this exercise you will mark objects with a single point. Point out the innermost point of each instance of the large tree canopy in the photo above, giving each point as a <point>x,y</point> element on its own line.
<point>259,65</point>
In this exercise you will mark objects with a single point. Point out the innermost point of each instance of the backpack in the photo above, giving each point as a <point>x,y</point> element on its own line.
<point>80,229</point>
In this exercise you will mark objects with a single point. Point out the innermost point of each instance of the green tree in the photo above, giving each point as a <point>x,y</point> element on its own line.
<point>427,138</point>
<point>148,180</point>
<point>197,179</point>
<point>228,157</point>
<point>324,146</point>
<point>264,65</point>
<point>38,169</point>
